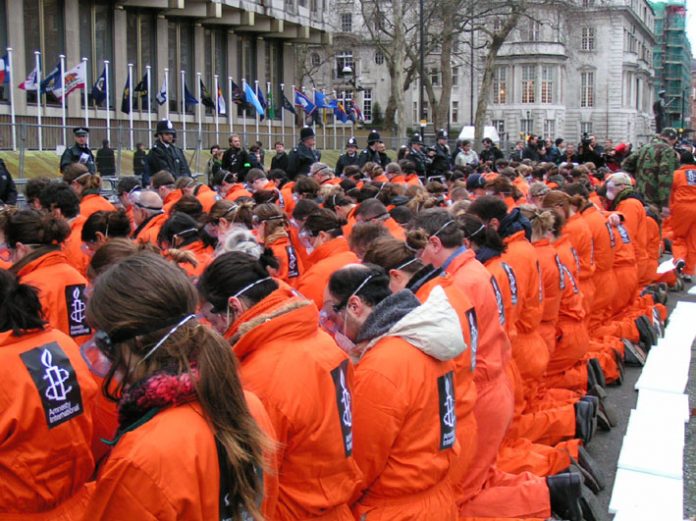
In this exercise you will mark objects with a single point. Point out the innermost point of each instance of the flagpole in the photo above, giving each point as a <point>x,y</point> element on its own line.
<point>166,92</point>
<point>108,110</point>
<point>294,122</point>
<point>256,91</point>
<point>84,65</point>
<point>343,126</point>
<point>148,69</point>
<point>12,107</point>
<point>217,108</point>
<point>268,117</point>
<point>37,56</point>
<point>282,111</point>
<point>335,139</point>
<point>183,104</point>
<point>314,120</point>
<point>198,107</point>
<point>62,98</point>
<point>130,103</point>
<point>245,118</point>
<point>229,102</point>
<point>323,120</point>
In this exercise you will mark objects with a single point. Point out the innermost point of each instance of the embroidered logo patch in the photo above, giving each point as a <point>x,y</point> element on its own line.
<point>691,177</point>
<point>56,382</point>
<point>512,279</point>
<point>343,400</point>
<point>623,233</point>
<point>474,332</point>
<point>293,267</point>
<point>448,415</point>
<point>499,300</point>
<point>560,267</point>
<point>76,308</point>
<point>612,239</point>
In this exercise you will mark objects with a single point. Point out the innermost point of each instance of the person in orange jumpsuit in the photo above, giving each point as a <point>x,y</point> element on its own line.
<point>148,216</point>
<point>126,186</point>
<point>682,206</point>
<point>35,240</point>
<point>102,227</point>
<point>374,211</point>
<point>46,406</point>
<point>163,183</point>
<point>180,401</point>
<point>183,233</point>
<point>227,186</point>
<point>271,227</point>
<point>404,409</point>
<point>86,186</point>
<point>300,375</point>
<point>328,251</point>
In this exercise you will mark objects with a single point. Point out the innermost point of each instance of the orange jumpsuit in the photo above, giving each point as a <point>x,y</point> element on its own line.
<point>236,191</point>
<point>72,247</point>
<point>92,203</point>
<point>46,403</point>
<point>323,262</point>
<point>551,277</point>
<point>171,199</point>
<point>151,229</point>
<point>206,197</point>
<point>580,235</point>
<point>603,276</point>
<point>204,256</point>
<point>683,207</point>
<point>634,218</point>
<point>61,292</point>
<point>302,379</point>
<point>291,265</point>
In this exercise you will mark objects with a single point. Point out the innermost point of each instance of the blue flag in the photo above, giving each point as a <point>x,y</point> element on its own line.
<point>340,112</point>
<point>303,101</point>
<point>52,82</point>
<point>189,99</point>
<point>320,100</point>
<point>253,100</point>
<point>99,88</point>
<point>262,101</point>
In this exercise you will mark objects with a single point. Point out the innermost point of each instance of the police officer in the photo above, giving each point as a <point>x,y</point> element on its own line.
<point>237,160</point>
<point>349,158</point>
<point>165,155</point>
<point>441,158</point>
<point>303,155</point>
<point>372,152</point>
<point>79,152</point>
<point>416,154</point>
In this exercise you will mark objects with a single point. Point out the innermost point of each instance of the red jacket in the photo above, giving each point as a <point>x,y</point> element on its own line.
<point>302,378</point>
<point>46,399</point>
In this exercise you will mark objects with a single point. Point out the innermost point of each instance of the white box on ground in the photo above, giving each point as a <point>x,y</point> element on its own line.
<point>643,452</point>
<point>646,497</point>
<point>656,403</point>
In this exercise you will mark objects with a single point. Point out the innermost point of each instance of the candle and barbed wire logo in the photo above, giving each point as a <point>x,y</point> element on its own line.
<point>448,413</point>
<point>56,382</point>
<point>76,308</point>
<point>344,402</point>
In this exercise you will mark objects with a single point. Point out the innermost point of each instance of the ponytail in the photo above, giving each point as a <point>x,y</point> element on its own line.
<point>20,308</point>
<point>46,231</point>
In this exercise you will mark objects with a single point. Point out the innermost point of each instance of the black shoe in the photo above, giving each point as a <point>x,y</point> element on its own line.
<point>663,292</point>
<point>593,401</point>
<point>595,366</point>
<point>590,506</point>
<point>591,378</point>
<point>606,417</point>
<point>680,265</point>
<point>645,331</point>
<point>687,279</point>
<point>598,391</point>
<point>633,354</point>
<point>667,245</point>
<point>585,422</point>
<point>657,325</point>
<point>587,463</point>
<point>620,366</point>
<point>565,491</point>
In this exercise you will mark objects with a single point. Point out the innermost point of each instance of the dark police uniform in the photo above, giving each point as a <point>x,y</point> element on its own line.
<point>78,153</point>
<point>165,157</point>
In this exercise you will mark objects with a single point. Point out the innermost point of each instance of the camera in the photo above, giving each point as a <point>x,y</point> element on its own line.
<point>585,141</point>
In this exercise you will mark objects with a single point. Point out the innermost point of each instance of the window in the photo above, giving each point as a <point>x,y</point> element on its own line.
<point>141,28</point>
<point>315,59</point>
<point>531,31</point>
<point>497,24</point>
<point>346,22</point>
<point>549,128</point>
<point>586,127</point>
<point>588,39</point>
<point>44,31</point>
<point>499,125</point>
<point>434,77</point>
<point>97,42</point>
<point>4,92</point>
<point>180,37</point>
<point>547,77</point>
<point>455,112</point>
<point>455,76</point>
<point>343,59</point>
<point>367,105</point>
<point>500,85</point>
<point>587,89</point>
<point>527,126</point>
<point>415,112</point>
<point>379,57</point>
<point>528,83</point>
<point>215,62</point>
<point>587,3</point>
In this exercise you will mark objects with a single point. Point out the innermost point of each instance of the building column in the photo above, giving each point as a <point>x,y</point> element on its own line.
<point>289,70</point>
<point>232,57</point>
<point>119,68</point>
<point>261,61</point>
<point>72,55</point>
<point>15,39</point>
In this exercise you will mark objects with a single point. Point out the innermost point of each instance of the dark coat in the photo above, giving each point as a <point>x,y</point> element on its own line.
<point>441,160</point>
<point>238,161</point>
<point>280,161</point>
<point>170,158</point>
<point>139,158</point>
<point>78,154</point>
<point>300,159</point>
<point>345,160</point>
<point>106,164</point>
<point>8,190</point>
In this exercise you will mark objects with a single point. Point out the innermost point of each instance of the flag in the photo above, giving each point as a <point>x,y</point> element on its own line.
<point>140,90</point>
<point>189,99</point>
<point>4,69</point>
<point>303,101</point>
<point>206,98</point>
<point>262,100</point>
<point>30,82</point>
<point>238,95</point>
<point>221,105</point>
<point>285,104</point>
<point>253,100</point>
<point>125,99</point>
<point>75,78</point>
<point>320,100</point>
<point>358,113</point>
<point>340,112</point>
<point>99,88</point>
<point>52,81</point>
<point>162,94</point>
<point>271,108</point>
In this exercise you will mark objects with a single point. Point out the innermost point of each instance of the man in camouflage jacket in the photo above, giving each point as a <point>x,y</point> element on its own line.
<point>653,166</point>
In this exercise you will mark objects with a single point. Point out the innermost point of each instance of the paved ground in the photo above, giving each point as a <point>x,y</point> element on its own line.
<point>605,447</point>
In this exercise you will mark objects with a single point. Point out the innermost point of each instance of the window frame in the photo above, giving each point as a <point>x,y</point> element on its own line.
<point>500,85</point>
<point>528,82</point>
<point>587,89</point>
<point>548,75</point>
<point>588,39</point>
<point>367,104</point>
<point>346,22</point>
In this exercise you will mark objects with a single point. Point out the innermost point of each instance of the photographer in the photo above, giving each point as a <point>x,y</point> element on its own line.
<point>588,153</point>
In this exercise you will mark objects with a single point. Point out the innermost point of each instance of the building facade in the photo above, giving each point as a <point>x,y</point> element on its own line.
<point>673,62</point>
<point>561,74</point>
<point>255,40</point>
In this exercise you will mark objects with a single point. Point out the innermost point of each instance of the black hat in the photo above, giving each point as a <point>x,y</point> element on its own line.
<point>352,142</point>
<point>164,126</point>
<point>306,132</point>
<point>373,137</point>
<point>475,181</point>
<point>442,134</point>
<point>416,139</point>
<point>80,131</point>
<point>669,133</point>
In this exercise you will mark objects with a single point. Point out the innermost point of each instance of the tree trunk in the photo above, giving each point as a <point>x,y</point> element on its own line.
<point>441,109</point>
<point>398,59</point>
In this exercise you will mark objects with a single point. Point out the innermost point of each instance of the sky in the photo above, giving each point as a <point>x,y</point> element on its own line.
<point>691,23</point>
